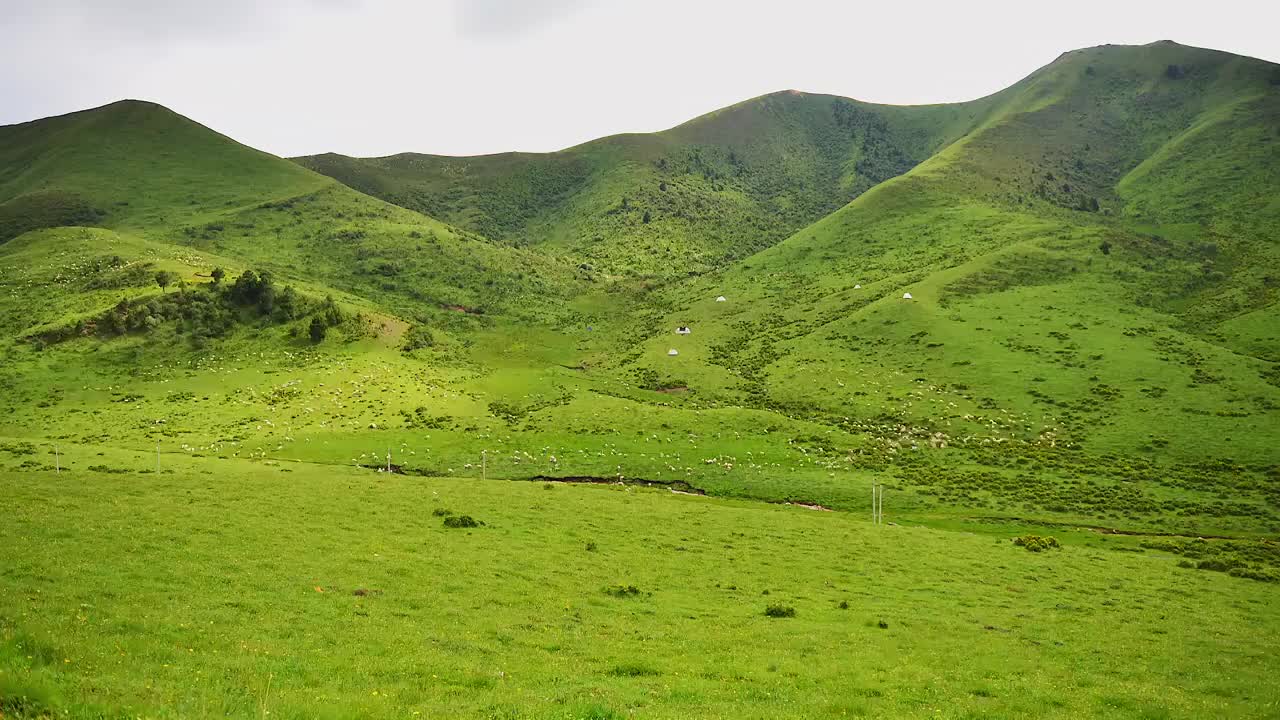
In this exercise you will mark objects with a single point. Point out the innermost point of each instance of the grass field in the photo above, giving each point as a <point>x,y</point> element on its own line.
<point>229,588</point>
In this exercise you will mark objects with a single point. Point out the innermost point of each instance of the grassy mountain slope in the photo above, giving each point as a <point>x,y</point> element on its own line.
<point>140,169</point>
<point>1043,334</point>
<point>139,166</point>
<point>675,202</point>
<point>1070,284</point>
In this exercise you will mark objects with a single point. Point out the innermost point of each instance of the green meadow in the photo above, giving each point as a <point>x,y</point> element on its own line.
<point>232,588</point>
<point>417,436</point>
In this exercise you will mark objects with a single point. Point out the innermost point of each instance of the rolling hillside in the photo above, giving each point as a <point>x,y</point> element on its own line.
<point>677,202</point>
<point>1091,255</point>
<point>1085,285</point>
<point>142,170</point>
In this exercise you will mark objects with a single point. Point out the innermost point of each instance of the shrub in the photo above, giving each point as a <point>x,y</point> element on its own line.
<point>1218,564</point>
<point>461,521</point>
<point>416,338</point>
<point>1261,574</point>
<point>622,591</point>
<point>591,546</point>
<point>1036,543</point>
<point>442,512</point>
<point>780,611</point>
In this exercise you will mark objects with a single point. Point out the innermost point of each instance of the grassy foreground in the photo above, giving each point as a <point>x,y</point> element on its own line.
<point>232,588</point>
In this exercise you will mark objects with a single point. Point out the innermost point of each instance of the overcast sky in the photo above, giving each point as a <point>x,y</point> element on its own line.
<point>371,77</point>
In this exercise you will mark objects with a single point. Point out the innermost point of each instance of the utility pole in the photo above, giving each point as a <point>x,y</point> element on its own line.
<point>877,503</point>
<point>157,458</point>
<point>57,463</point>
<point>388,459</point>
<point>484,462</point>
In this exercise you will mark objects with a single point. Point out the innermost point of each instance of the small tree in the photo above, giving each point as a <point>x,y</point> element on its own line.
<point>217,274</point>
<point>317,330</point>
<point>646,217</point>
<point>164,279</point>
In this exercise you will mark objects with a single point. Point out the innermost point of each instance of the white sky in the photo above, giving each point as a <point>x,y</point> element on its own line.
<point>370,77</point>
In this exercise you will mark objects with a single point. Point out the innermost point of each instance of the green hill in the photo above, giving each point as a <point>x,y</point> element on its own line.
<point>1086,286</point>
<point>138,166</point>
<point>677,202</point>
<point>141,169</point>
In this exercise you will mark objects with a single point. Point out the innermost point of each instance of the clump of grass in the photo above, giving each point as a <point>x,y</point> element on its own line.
<point>844,605</point>
<point>622,591</point>
<point>442,512</point>
<point>591,546</point>
<point>461,521</point>
<point>20,700</point>
<point>883,624</point>
<point>633,669</point>
<point>1036,543</point>
<point>780,611</point>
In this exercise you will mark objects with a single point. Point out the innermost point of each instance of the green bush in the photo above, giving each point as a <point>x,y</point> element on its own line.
<point>780,611</point>
<point>1036,543</point>
<point>416,338</point>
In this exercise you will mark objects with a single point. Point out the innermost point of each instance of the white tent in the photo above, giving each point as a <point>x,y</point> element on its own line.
<point>683,330</point>
<point>673,351</point>
<point>906,296</point>
<point>857,287</point>
<point>720,299</point>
